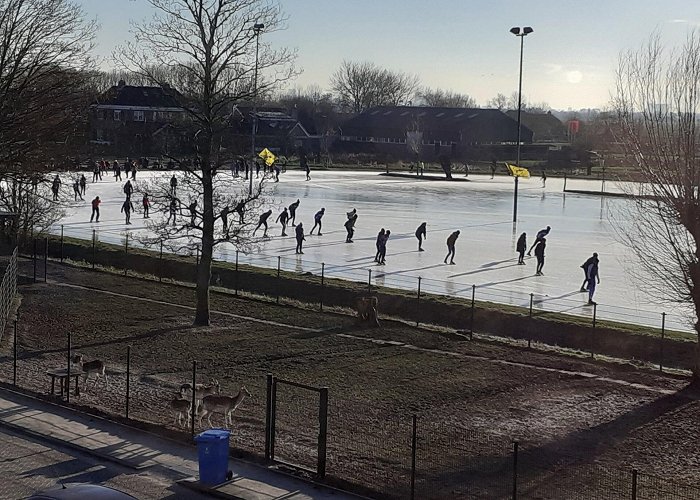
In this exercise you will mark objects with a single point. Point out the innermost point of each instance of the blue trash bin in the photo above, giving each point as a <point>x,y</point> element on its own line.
<point>212,447</point>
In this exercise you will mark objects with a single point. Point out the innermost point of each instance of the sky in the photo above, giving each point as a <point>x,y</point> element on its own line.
<point>569,60</point>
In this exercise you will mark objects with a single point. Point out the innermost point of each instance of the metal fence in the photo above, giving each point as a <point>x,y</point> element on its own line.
<point>8,289</point>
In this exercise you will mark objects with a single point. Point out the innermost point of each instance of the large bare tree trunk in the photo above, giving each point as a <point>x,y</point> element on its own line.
<point>201,317</point>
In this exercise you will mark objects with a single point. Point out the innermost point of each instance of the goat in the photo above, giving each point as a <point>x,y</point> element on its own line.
<point>223,404</point>
<point>201,391</point>
<point>96,366</point>
<point>179,406</point>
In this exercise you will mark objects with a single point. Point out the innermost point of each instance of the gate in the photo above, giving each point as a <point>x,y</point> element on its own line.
<point>275,450</point>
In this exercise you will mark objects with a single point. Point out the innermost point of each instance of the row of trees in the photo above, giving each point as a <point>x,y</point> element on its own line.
<point>210,46</point>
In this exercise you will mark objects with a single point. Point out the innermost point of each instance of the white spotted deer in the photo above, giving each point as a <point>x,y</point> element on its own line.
<point>96,367</point>
<point>222,404</point>
<point>201,391</point>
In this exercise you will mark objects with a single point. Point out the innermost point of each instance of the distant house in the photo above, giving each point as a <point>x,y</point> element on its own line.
<point>276,129</point>
<point>134,121</point>
<point>545,126</point>
<point>430,132</point>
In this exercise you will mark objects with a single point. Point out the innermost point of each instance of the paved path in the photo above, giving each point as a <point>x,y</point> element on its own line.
<point>139,450</point>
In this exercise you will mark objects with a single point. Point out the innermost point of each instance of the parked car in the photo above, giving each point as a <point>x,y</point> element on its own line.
<point>77,491</point>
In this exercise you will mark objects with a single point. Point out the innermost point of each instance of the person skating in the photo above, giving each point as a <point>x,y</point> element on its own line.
<point>173,185</point>
<point>133,171</point>
<point>378,244</point>
<point>317,221</point>
<point>224,219</point>
<point>585,266</point>
<point>308,171</point>
<point>300,237</point>
<point>83,184</point>
<point>117,172</point>
<point>128,189</point>
<point>493,168</point>
<point>382,247</point>
<point>283,218</point>
<point>544,178</point>
<point>540,236</point>
<point>146,206</point>
<point>520,247</point>
<point>277,172</point>
<point>172,211</point>
<point>350,227</point>
<point>127,167</point>
<point>55,187</point>
<point>451,240</point>
<point>421,234</point>
<point>193,212</point>
<point>96,209</point>
<point>127,207</point>
<point>293,212</point>
<point>96,172</point>
<point>593,277</point>
<point>240,210</point>
<point>263,222</point>
<point>539,253</point>
<point>76,190</point>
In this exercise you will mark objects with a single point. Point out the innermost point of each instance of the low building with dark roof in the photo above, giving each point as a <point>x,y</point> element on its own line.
<point>276,129</point>
<point>407,132</point>
<point>545,126</point>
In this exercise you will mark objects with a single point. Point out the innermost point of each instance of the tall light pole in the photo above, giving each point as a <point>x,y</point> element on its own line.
<point>257,28</point>
<point>521,34</point>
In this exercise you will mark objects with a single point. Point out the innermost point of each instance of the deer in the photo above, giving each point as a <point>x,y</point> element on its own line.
<point>201,391</point>
<point>96,366</point>
<point>223,404</point>
<point>179,406</point>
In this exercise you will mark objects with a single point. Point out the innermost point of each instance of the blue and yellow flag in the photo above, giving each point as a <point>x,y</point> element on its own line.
<point>518,171</point>
<point>268,156</point>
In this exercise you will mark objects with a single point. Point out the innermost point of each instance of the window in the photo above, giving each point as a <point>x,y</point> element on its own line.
<point>117,115</point>
<point>139,116</point>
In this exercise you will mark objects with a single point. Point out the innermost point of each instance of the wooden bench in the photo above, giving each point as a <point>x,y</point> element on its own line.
<point>62,375</point>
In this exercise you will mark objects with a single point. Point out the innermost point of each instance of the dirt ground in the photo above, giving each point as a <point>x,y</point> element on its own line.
<point>574,418</point>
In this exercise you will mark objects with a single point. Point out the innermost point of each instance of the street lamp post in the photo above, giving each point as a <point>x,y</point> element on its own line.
<point>257,28</point>
<point>522,34</point>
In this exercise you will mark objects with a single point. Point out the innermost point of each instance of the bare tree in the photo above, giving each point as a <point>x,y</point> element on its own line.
<point>500,101</point>
<point>362,85</point>
<point>212,44</point>
<point>445,98</point>
<point>657,101</point>
<point>44,53</point>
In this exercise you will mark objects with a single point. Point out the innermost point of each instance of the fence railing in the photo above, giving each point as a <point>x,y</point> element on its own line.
<point>8,290</point>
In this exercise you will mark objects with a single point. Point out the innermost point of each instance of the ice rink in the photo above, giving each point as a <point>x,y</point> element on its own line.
<point>481,209</point>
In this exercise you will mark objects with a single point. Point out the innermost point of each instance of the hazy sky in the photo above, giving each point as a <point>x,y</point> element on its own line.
<point>462,45</point>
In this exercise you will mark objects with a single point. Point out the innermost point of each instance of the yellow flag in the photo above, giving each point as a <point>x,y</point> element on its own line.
<point>268,156</point>
<point>518,171</point>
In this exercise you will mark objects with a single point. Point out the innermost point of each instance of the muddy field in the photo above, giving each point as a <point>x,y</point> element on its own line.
<point>581,425</point>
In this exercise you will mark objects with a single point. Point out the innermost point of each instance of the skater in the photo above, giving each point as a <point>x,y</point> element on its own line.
<point>172,211</point>
<point>520,247</point>
<point>83,184</point>
<point>300,237</point>
<point>127,167</point>
<point>96,173</point>
<point>378,244</point>
<point>293,211</point>
<point>493,168</point>
<point>317,221</point>
<point>539,253</point>
<point>382,247</point>
<point>224,219</point>
<point>193,212</point>
<point>593,277</point>
<point>76,190</point>
<point>421,235</point>
<point>146,206</point>
<point>350,226</point>
<point>540,236</point>
<point>133,171</point>
<point>263,222</point>
<point>240,210</point>
<point>95,209</point>
<point>55,186</point>
<point>283,218</point>
<point>544,178</point>
<point>277,173</point>
<point>173,185</point>
<point>451,240</point>
<point>585,266</point>
<point>128,189</point>
<point>127,207</point>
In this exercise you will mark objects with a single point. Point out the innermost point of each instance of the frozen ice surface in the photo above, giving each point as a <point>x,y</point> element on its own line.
<point>481,209</point>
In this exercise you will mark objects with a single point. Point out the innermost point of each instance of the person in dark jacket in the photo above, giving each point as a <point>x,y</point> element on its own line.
<point>300,237</point>
<point>585,266</point>
<point>541,234</point>
<point>539,253</point>
<point>421,235</point>
<point>378,244</point>
<point>520,247</point>
<point>451,240</point>
<point>263,222</point>
<point>317,221</point>
<point>283,217</point>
